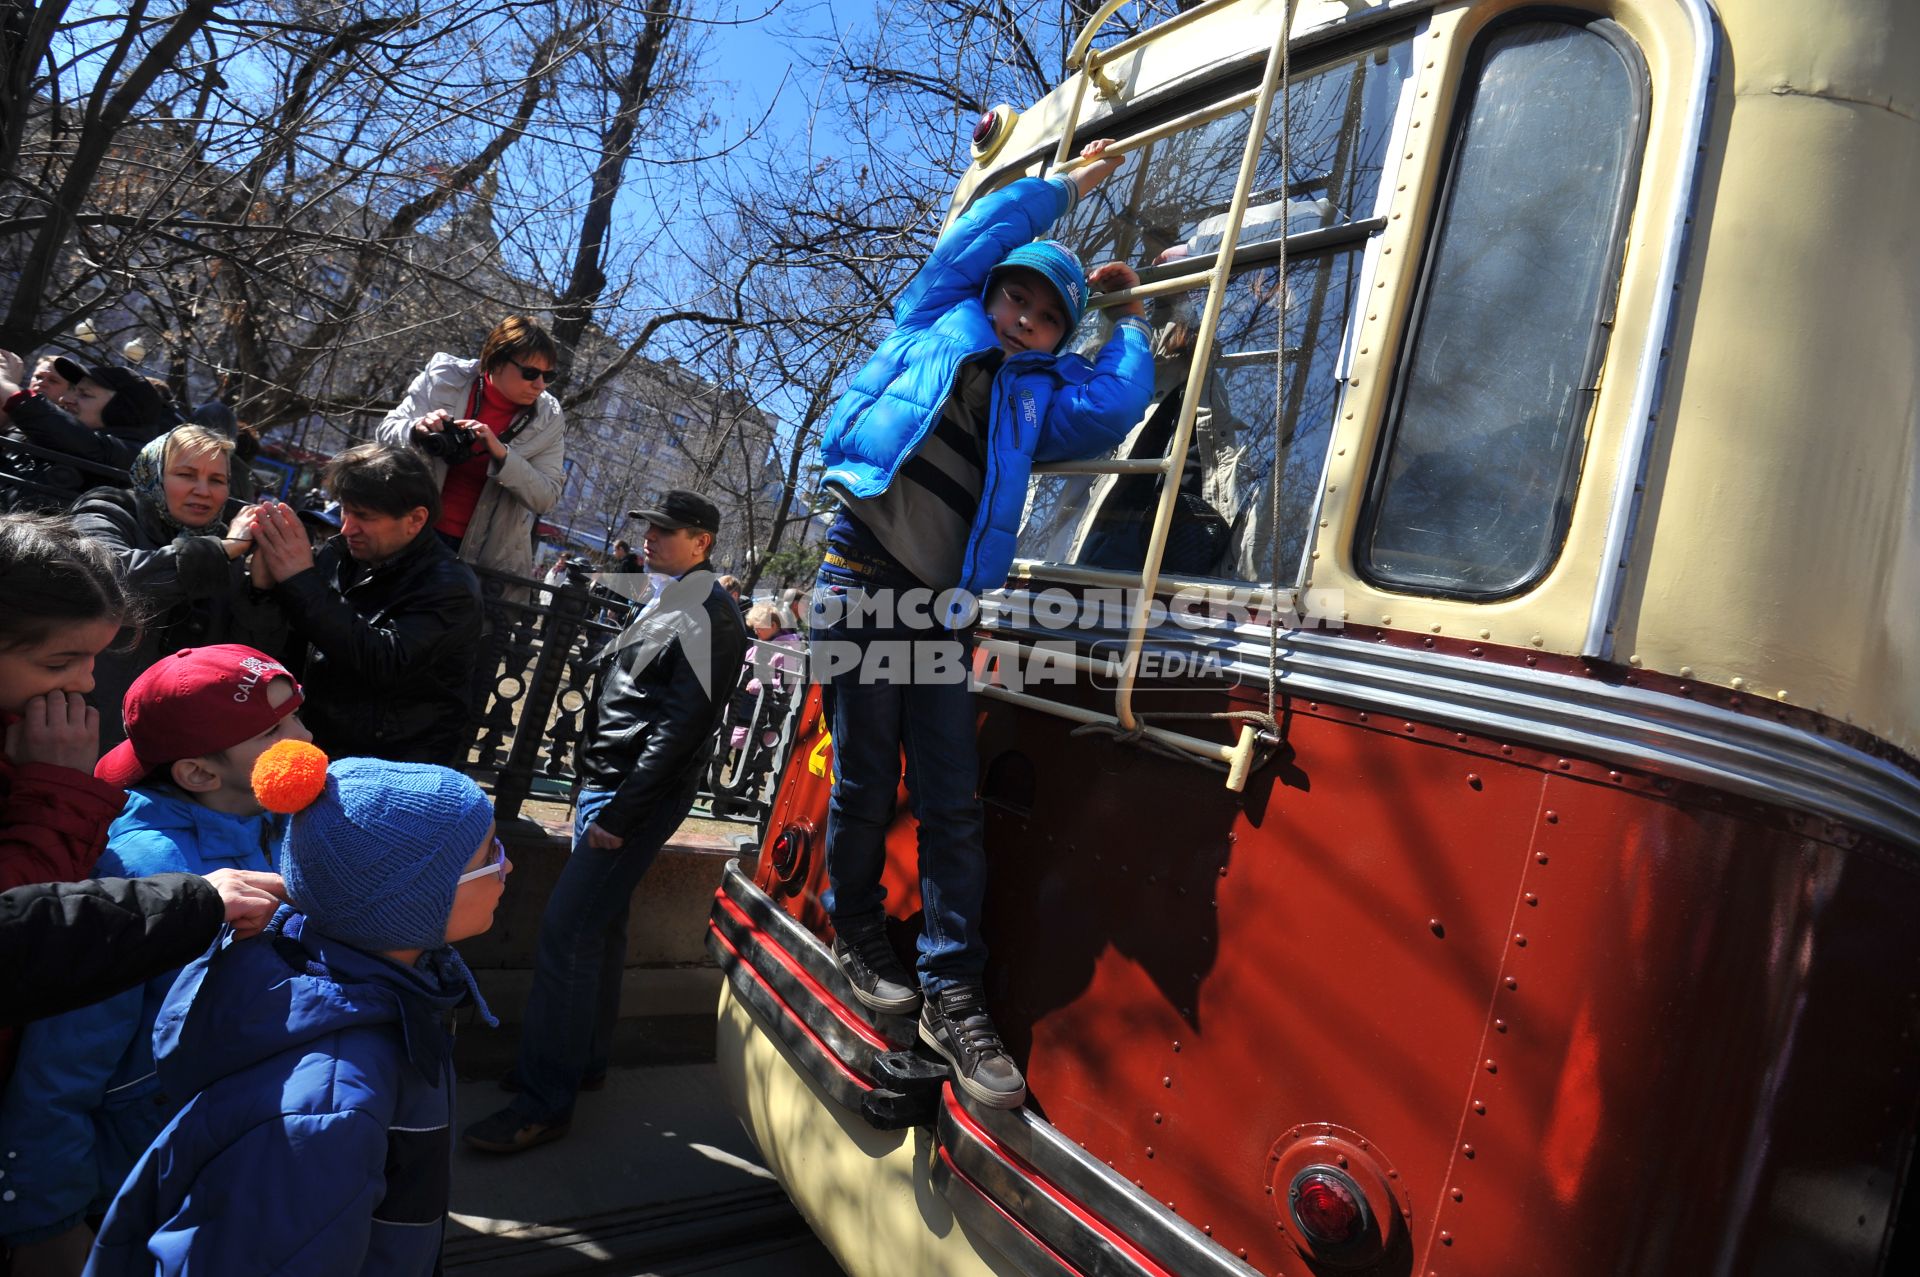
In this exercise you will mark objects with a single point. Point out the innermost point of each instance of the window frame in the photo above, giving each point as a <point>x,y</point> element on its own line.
<point>1573,463</point>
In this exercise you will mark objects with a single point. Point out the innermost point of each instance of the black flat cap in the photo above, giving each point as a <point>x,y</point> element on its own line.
<point>679,508</point>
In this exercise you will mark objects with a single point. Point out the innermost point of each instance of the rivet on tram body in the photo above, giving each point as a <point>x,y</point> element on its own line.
<point>1166,1081</point>
<point>1480,1107</point>
<point>1342,1159</point>
<point>1473,778</point>
<point>1506,749</point>
<point>1532,899</point>
<point>1149,1150</point>
<point>1460,737</point>
<point>1466,1151</point>
<point>1519,940</point>
<point>1459,1196</point>
<point>1386,620</point>
<point>1540,859</point>
<point>1446,1238</point>
<point>1499,1026</point>
<point>1781,694</point>
<point>1207,1229</point>
<point>1493,1066</point>
<point>1613,775</point>
<point>1739,683</point>
<point>1537,640</point>
<point>1176,1048</point>
<point>1553,817</point>
<point>1158,1118</point>
<point>1686,671</point>
<point>1512,984</point>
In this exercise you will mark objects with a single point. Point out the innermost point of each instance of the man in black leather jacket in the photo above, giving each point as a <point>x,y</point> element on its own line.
<point>389,618</point>
<point>664,688</point>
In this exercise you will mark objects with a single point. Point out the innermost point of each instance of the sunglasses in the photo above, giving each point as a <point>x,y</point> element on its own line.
<point>496,864</point>
<point>531,373</point>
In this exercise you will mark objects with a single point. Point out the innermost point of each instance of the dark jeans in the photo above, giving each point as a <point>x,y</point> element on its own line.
<point>568,1032</point>
<point>878,707</point>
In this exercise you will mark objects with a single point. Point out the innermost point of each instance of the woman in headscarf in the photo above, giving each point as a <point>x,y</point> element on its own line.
<point>183,562</point>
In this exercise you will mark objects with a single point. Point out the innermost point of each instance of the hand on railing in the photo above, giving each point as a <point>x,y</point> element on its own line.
<point>1091,169</point>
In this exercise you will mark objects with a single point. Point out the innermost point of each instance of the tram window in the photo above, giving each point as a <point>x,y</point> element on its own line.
<point>1266,411</point>
<point>1475,485</point>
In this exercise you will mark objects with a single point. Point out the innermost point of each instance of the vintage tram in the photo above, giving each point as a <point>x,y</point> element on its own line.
<point>1450,775</point>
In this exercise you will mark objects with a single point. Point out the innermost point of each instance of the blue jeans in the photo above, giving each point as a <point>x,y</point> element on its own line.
<point>876,709</point>
<point>575,1001</point>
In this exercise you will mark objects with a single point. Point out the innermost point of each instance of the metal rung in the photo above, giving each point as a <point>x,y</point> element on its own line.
<point>1160,132</point>
<point>1083,46</point>
<point>1101,466</point>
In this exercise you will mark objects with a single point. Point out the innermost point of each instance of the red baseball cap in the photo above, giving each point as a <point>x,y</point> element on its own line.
<point>198,701</point>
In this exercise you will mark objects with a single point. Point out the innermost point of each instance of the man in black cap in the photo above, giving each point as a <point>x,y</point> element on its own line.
<point>664,687</point>
<point>102,422</point>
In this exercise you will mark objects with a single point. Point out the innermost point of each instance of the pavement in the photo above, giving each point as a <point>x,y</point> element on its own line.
<point>657,1177</point>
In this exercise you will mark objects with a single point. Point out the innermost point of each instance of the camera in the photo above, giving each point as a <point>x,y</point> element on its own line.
<point>452,445</point>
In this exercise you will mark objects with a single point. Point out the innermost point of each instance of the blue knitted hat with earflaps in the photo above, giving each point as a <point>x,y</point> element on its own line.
<point>1059,266</point>
<point>374,850</point>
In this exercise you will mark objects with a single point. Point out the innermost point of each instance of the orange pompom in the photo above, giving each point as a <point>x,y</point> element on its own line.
<point>289,775</point>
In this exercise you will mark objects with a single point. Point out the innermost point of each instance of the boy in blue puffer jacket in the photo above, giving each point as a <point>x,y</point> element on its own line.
<point>84,1102</point>
<point>928,452</point>
<point>316,1059</point>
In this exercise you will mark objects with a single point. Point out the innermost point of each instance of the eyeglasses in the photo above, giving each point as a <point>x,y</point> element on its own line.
<point>531,373</point>
<point>496,864</point>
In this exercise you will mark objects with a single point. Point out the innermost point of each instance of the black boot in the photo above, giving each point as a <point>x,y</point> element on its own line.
<point>879,980</point>
<point>955,1024</point>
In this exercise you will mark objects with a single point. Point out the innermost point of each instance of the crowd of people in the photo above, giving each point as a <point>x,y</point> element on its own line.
<point>229,1049</point>
<point>284,706</point>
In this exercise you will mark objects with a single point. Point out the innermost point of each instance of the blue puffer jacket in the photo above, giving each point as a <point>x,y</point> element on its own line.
<point>316,1141</point>
<point>1044,407</point>
<point>84,1102</point>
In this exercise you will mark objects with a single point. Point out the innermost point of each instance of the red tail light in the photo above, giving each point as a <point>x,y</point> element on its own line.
<point>983,128</point>
<point>1328,1206</point>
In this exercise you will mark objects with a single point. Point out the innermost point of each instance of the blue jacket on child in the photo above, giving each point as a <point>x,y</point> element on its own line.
<point>1044,407</point>
<point>84,1102</point>
<point>315,1136</point>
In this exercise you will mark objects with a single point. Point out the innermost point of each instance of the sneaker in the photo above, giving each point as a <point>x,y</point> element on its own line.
<point>509,1132</point>
<point>510,1081</point>
<point>879,980</point>
<point>955,1024</point>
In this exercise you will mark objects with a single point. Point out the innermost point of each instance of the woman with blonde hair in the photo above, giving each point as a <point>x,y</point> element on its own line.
<point>182,561</point>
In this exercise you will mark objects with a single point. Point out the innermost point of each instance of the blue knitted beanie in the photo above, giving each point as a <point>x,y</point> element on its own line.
<point>374,857</point>
<point>1059,266</point>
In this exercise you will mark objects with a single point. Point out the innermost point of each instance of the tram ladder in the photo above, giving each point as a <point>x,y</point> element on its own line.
<point>1258,730</point>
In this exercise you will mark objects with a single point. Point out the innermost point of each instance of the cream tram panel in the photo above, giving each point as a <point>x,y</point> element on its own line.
<point>870,1191</point>
<point>1778,552</point>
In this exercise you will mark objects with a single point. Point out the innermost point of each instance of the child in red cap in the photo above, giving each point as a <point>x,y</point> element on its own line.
<point>84,1102</point>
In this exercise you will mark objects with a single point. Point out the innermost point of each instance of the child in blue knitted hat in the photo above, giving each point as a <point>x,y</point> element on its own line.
<point>928,452</point>
<point>318,1055</point>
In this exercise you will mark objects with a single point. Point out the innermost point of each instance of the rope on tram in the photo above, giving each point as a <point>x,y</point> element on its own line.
<point>1283,293</point>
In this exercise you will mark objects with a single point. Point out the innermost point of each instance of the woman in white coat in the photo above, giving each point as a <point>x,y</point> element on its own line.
<point>496,439</point>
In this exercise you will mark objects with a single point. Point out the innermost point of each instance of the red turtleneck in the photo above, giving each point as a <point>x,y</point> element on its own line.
<point>461,492</point>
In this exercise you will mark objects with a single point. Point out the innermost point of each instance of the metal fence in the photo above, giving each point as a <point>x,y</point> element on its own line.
<point>538,669</point>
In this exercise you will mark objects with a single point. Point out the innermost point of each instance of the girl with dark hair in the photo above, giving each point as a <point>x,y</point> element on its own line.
<point>65,603</point>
